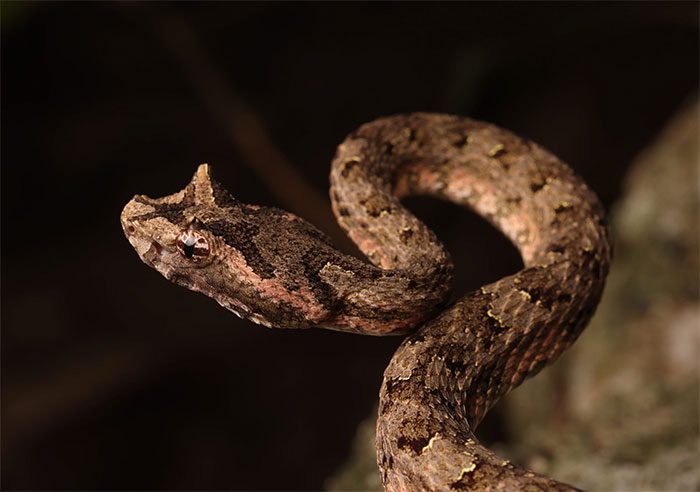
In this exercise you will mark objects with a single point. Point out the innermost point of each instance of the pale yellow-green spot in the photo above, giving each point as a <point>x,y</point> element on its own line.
<point>525,294</point>
<point>498,320</point>
<point>430,443</point>
<point>467,469</point>
<point>495,150</point>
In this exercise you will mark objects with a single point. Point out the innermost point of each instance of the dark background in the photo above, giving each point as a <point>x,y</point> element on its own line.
<point>114,379</point>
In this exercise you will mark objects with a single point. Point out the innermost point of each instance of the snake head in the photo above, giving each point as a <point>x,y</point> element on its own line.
<point>243,256</point>
<point>166,232</point>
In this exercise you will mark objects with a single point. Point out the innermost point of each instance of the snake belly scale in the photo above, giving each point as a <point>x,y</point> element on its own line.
<point>275,269</point>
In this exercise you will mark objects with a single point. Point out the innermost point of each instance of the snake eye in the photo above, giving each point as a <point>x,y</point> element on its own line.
<point>192,245</point>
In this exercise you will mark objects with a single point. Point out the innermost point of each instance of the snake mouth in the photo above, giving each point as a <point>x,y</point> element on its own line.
<point>149,251</point>
<point>150,248</point>
<point>153,255</point>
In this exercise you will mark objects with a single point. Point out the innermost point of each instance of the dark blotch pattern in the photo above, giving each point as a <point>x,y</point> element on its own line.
<point>313,263</point>
<point>516,200</point>
<point>222,197</point>
<point>546,298</point>
<point>562,207</point>
<point>536,186</point>
<point>348,166</point>
<point>411,134</point>
<point>240,235</point>
<point>556,248</point>
<point>376,205</point>
<point>460,141</point>
<point>172,212</point>
<point>416,444</point>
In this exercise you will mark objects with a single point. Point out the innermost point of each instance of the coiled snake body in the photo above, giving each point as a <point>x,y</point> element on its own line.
<point>277,270</point>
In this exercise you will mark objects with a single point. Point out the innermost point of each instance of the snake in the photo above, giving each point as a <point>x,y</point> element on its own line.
<point>459,357</point>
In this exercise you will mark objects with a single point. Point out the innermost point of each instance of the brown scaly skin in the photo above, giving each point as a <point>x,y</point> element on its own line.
<point>275,269</point>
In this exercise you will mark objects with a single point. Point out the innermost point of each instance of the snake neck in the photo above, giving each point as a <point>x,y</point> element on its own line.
<point>444,378</point>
